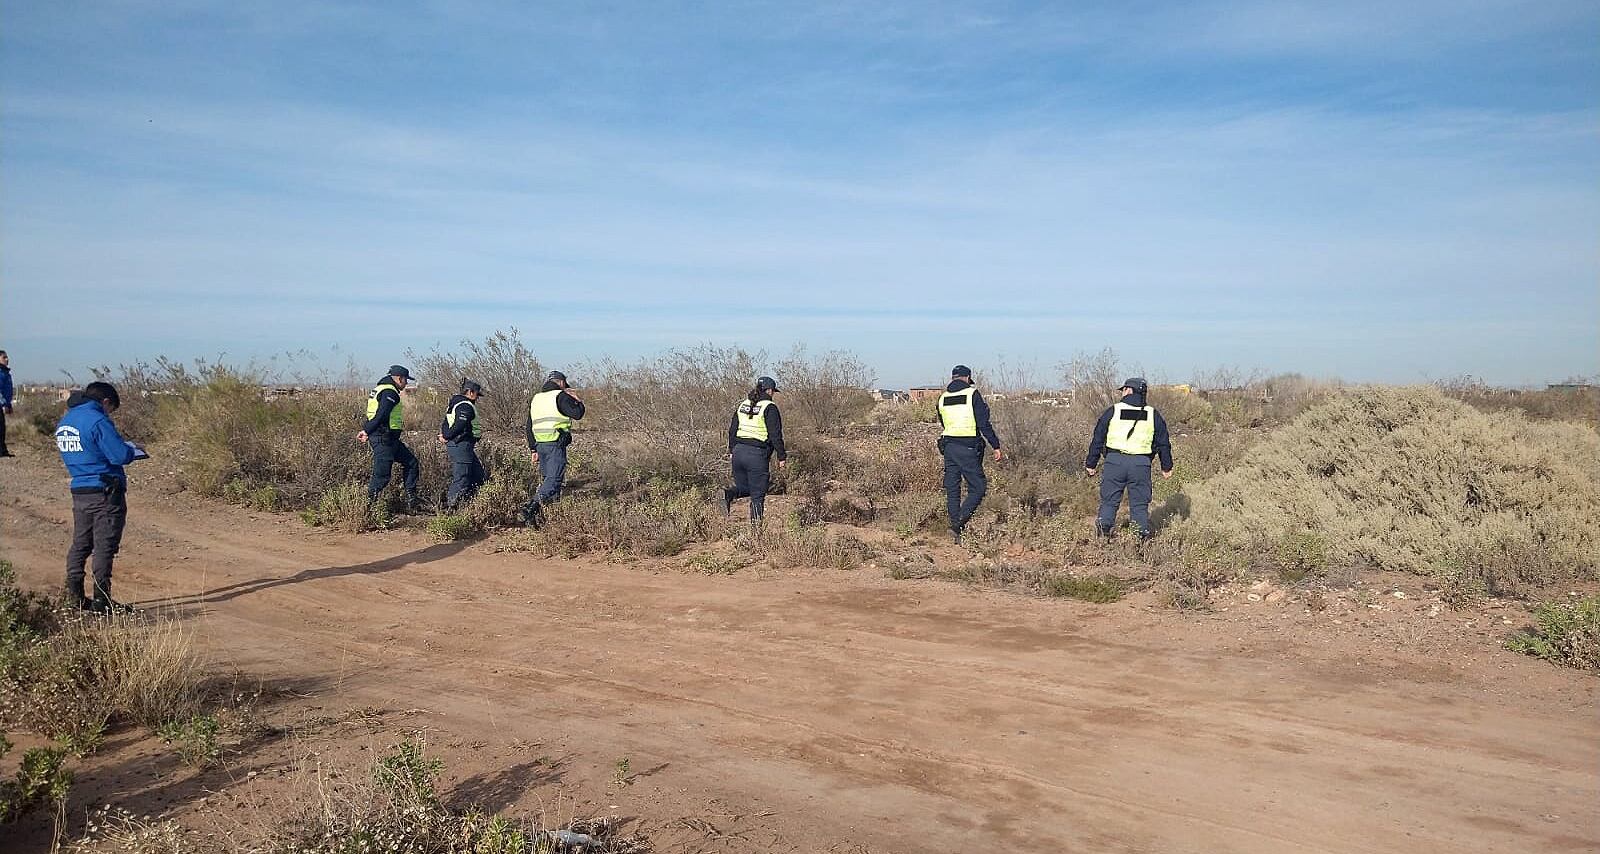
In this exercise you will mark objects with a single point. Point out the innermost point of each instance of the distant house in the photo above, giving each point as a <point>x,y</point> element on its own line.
<point>892,395</point>
<point>1568,386</point>
<point>925,392</point>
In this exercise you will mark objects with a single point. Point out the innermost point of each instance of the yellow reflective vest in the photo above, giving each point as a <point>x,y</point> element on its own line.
<point>752,420</point>
<point>450,418</point>
<point>546,418</point>
<point>1132,429</point>
<point>396,416</point>
<point>955,410</point>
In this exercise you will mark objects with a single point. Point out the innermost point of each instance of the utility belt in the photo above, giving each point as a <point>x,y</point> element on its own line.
<point>463,440</point>
<point>963,441</point>
<point>1149,456</point>
<point>385,436</point>
<point>108,486</point>
<point>754,443</point>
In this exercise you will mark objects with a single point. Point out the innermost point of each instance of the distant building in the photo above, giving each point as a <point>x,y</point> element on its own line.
<point>891,395</point>
<point>1569,386</point>
<point>925,392</point>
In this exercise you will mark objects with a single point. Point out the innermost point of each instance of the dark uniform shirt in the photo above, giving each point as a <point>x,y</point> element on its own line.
<point>980,410</point>
<point>774,443</point>
<point>1161,445</point>
<point>378,424</point>
<point>567,405</point>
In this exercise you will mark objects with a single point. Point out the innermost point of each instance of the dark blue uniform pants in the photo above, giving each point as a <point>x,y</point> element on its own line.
<point>97,522</point>
<point>963,462</point>
<point>553,470</point>
<point>752,476</point>
<point>1125,473</point>
<point>466,472</point>
<point>386,451</point>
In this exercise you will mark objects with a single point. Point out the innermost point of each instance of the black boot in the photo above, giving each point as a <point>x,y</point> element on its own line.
<point>416,504</point>
<point>533,514</point>
<point>75,598</point>
<point>1102,531</point>
<point>955,534</point>
<point>104,604</point>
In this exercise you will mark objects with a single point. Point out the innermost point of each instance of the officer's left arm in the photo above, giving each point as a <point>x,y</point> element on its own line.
<point>980,411</point>
<point>1163,444</point>
<point>117,451</point>
<point>569,406</point>
<point>774,422</point>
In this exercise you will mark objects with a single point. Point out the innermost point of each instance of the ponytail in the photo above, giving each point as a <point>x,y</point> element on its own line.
<point>757,394</point>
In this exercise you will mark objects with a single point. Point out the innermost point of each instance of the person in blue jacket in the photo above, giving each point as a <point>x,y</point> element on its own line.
<point>6,393</point>
<point>94,454</point>
<point>1130,434</point>
<point>382,433</point>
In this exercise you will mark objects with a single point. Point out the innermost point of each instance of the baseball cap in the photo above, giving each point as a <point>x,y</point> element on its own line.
<point>469,385</point>
<point>399,371</point>
<point>556,375</point>
<point>768,383</point>
<point>960,371</point>
<point>1137,384</point>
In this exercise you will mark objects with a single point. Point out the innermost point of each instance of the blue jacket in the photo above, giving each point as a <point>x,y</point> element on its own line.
<point>91,447</point>
<point>1161,446</point>
<point>5,386</point>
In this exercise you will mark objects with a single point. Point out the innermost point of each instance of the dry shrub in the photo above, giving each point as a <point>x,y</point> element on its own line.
<point>345,508</point>
<point>1578,400</point>
<point>509,372</point>
<point>117,831</point>
<point>70,685</point>
<point>658,522</point>
<point>825,392</point>
<point>1409,480</point>
<point>813,546</point>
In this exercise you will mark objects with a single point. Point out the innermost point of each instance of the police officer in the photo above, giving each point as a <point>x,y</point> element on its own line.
<point>381,432</point>
<point>6,395</point>
<point>550,417</point>
<point>964,415</point>
<point>1130,433</point>
<point>755,433</point>
<point>460,433</point>
<point>94,454</point>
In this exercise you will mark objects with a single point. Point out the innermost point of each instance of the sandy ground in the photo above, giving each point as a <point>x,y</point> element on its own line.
<point>844,711</point>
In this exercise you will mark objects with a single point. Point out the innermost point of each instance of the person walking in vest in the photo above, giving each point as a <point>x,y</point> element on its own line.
<point>460,433</point>
<point>964,415</point>
<point>1129,434</point>
<point>381,432</point>
<point>7,393</point>
<point>754,434</point>
<point>94,454</point>
<point>550,417</point>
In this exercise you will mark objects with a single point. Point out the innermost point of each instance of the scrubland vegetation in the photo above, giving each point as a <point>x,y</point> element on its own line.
<point>1480,491</point>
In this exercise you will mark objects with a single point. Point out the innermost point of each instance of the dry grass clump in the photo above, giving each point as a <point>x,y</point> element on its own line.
<point>660,522</point>
<point>793,544</point>
<point>1410,480</point>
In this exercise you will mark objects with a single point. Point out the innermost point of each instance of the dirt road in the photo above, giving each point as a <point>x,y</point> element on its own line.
<point>842,711</point>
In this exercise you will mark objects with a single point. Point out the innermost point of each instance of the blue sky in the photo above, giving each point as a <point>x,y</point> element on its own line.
<point>1379,191</point>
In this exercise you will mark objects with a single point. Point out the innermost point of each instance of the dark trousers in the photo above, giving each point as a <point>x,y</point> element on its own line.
<point>1128,473</point>
<point>963,463</point>
<point>97,522</point>
<point>3,449</point>
<point>752,476</point>
<point>386,451</point>
<point>552,471</point>
<point>466,472</point>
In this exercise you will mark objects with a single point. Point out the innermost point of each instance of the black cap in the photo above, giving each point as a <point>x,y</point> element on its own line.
<point>767,383</point>
<point>469,385</point>
<point>399,371</point>
<point>556,375</point>
<point>960,371</point>
<point>1137,384</point>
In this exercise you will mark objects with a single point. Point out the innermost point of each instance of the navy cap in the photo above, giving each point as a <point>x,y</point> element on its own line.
<point>1137,384</point>
<point>960,371</point>
<point>469,385</point>
<point>768,383</point>
<point>556,375</point>
<point>399,371</point>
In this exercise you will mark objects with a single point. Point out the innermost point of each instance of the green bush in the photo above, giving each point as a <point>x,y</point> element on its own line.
<point>194,738</point>
<point>345,507</point>
<point>1565,633</point>
<point>43,780</point>
<point>446,528</point>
